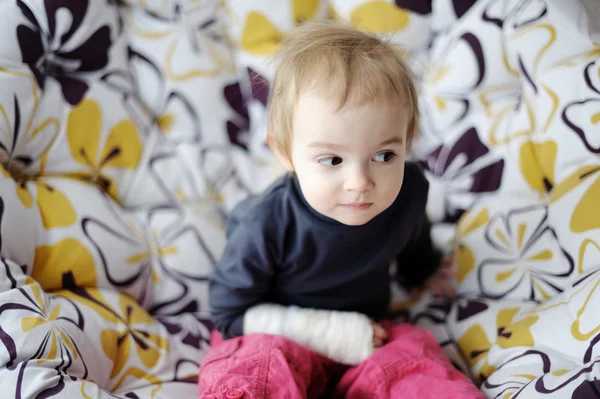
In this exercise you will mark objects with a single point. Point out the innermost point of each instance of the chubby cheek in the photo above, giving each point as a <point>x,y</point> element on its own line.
<point>318,191</point>
<point>392,185</point>
<point>392,193</point>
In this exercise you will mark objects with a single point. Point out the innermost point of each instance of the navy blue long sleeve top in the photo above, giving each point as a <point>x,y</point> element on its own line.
<point>280,250</point>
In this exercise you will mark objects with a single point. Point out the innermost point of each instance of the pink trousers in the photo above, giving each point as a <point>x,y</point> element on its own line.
<point>257,366</point>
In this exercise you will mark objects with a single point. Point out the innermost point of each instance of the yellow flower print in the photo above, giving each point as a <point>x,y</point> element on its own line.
<point>22,143</point>
<point>581,307</point>
<point>176,288</point>
<point>122,149</point>
<point>379,17</point>
<point>55,208</point>
<point>195,28</point>
<point>66,264</point>
<point>465,261</point>
<point>517,334</point>
<point>581,191</point>
<point>570,315</point>
<point>528,259</point>
<point>304,10</point>
<point>144,262</point>
<point>589,252</point>
<point>539,121</point>
<point>585,217</point>
<point>549,33</point>
<point>468,223</point>
<point>474,344</point>
<point>132,332</point>
<point>536,161</point>
<point>56,334</point>
<point>45,320</point>
<point>261,37</point>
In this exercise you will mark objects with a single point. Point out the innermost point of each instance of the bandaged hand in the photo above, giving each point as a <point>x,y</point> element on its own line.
<point>345,337</point>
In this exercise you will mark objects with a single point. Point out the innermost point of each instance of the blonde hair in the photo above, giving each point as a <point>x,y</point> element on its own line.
<point>344,65</point>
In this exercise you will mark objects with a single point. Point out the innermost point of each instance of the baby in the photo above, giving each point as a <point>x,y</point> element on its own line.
<point>303,285</point>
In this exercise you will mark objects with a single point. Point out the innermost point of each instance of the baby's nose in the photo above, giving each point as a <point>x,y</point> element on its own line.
<point>359,181</point>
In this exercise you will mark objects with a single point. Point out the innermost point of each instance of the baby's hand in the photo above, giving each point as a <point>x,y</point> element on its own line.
<point>440,283</point>
<point>380,335</point>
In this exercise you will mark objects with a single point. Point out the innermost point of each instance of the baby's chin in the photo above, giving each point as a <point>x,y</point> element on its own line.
<point>355,223</point>
<point>354,218</point>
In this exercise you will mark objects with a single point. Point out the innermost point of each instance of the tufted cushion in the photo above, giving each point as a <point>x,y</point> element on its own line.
<point>525,356</point>
<point>127,132</point>
<point>528,255</point>
<point>118,168</point>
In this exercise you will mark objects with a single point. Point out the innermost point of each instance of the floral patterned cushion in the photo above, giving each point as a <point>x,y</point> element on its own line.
<point>116,172</point>
<point>528,250</point>
<point>129,130</point>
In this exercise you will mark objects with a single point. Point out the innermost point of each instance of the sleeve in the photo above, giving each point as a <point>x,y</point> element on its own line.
<point>242,278</point>
<point>419,259</point>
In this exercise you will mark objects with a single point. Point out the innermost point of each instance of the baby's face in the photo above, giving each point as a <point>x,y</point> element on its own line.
<point>350,163</point>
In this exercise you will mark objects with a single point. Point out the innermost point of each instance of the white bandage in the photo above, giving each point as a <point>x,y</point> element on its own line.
<point>345,337</point>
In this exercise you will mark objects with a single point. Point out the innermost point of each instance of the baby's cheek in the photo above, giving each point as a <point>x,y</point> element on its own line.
<point>326,197</point>
<point>392,189</point>
<point>315,193</point>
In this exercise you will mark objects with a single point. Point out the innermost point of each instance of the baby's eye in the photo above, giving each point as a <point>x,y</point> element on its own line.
<point>330,161</point>
<point>386,156</point>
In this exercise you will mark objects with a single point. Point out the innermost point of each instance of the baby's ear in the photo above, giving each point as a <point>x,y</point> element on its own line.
<point>281,155</point>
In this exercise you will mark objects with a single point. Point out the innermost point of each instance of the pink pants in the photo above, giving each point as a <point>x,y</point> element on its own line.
<point>257,366</point>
